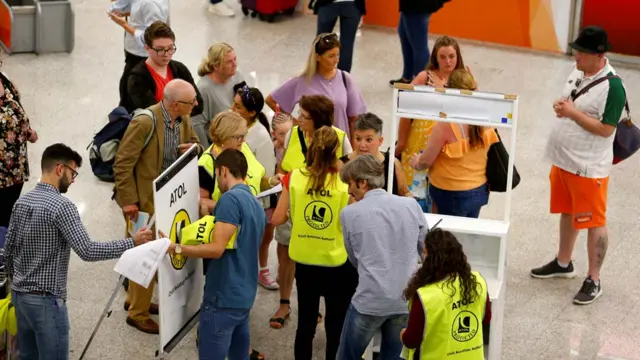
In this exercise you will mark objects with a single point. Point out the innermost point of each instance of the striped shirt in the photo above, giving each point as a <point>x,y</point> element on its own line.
<point>44,227</point>
<point>576,150</point>
<point>171,139</point>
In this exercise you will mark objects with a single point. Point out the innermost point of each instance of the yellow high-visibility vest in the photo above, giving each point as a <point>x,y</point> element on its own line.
<point>453,329</point>
<point>201,232</point>
<point>294,158</point>
<point>255,170</point>
<point>316,233</point>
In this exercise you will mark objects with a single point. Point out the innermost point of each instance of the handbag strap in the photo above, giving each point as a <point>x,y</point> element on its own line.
<point>303,144</point>
<point>596,82</point>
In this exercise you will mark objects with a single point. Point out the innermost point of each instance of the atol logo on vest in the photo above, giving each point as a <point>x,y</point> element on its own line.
<point>318,215</point>
<point>180,221</point>
<point>465,326</point>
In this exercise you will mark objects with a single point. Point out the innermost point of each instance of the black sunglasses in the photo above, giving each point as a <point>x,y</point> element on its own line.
<point>575,91</point>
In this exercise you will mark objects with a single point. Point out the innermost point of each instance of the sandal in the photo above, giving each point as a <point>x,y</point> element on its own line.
<point>278,322</point>
<point>255,355</point>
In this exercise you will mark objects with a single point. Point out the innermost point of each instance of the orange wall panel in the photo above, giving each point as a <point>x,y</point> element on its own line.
<point>5,24</point>
<point>499,21</point>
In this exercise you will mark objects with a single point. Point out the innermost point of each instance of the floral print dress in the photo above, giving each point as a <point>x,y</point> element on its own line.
<point>14,132</point>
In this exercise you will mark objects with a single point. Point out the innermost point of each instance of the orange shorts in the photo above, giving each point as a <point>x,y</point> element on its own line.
<point>584,198</point>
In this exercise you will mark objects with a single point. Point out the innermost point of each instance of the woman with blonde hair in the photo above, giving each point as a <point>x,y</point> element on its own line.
<point>412,135</point>
<point>228,131</point>
<point>456,156</point>
<point>218,74</point>
<point>321,77</point>
<point>314,196</point>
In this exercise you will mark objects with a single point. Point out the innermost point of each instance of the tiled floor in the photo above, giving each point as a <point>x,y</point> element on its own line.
<point>69,95</point>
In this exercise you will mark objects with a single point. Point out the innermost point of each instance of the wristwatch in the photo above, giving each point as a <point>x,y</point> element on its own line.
<point>178,249</point>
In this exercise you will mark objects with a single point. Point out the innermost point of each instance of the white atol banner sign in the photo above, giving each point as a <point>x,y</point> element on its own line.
<point>180,279</point>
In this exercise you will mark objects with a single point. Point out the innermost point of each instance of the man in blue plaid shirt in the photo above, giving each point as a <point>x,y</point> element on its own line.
<point>44,227</point>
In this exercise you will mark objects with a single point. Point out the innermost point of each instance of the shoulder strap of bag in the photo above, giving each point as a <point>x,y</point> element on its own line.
<point>596,82</point>
<point>151,115</point>
<point>303,145</point>
<point>344,80</point>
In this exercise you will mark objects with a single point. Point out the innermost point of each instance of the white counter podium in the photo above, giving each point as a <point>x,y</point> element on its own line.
<point>484,240</point>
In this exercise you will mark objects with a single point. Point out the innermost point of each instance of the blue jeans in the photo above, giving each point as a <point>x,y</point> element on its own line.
<point>465,203</point>
<point>43,326</point>
<point>358,330</point>
<point>223,333</point>
<point>349,21</point>
<point>413,30</point>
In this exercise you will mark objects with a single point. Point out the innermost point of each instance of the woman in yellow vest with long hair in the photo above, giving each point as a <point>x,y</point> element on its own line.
<point>315,112</point>
<point>448,303</point>
<point>314,197</point>
<point>228,131</point>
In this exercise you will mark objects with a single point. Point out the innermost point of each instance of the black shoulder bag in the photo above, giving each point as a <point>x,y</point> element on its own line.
<point>497,168</point>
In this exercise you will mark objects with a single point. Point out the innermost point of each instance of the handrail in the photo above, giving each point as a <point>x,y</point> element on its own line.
<point>6,24</point>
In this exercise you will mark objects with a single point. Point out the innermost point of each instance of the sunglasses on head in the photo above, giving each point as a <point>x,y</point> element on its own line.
<point>327,39</point>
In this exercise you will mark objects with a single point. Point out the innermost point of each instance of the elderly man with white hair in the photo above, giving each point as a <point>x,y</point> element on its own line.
<point>384,237</point>
<point>137,165</point>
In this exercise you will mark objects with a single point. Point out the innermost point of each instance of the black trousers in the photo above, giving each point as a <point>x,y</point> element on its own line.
<point>349,15</point>
<point>8,197</point>
<point>337,285</point>
<point>130,61</point>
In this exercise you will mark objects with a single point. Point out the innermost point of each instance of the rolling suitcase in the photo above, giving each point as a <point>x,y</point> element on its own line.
<point>267,10</point>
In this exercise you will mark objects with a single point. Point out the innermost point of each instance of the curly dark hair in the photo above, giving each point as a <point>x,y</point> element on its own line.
<point>445,261</point>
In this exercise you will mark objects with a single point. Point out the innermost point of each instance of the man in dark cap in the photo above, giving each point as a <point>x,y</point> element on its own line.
<point>581,149</point>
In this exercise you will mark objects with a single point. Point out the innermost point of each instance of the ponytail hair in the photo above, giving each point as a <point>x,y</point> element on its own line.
<point>214,59</point>
<point>262,118</point>
<point>321,157</point>
<point>464,80</point>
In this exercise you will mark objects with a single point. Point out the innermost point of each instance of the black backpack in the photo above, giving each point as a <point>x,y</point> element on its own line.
<point>103,148</point>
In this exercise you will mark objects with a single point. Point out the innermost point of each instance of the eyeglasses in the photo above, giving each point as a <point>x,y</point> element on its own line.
<point>239,138</point>
<point>302,116</point>
<point>161,51</point>
<point>74,174</point>
<point>192,102</point>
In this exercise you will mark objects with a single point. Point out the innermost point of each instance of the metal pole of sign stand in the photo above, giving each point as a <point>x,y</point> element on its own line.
<point>105,313</point>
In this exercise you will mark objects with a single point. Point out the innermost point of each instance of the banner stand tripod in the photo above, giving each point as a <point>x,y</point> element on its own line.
<point>105,313</point>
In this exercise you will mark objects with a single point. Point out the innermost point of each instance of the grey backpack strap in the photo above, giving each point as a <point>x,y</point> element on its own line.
<point>151,115</point>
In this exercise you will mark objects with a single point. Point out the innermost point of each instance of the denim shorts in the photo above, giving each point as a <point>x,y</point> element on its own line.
<point>466,203</point>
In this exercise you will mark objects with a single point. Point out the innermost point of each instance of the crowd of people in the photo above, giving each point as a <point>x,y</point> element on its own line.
<point>340,236</point>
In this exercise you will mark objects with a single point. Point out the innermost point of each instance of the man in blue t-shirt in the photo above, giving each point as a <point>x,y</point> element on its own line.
<point>232,277</point>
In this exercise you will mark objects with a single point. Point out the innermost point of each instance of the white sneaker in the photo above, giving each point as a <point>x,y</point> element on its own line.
<point>221,9</point>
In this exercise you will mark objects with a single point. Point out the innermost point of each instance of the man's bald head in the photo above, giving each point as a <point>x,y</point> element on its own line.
<point>179,98</point>
<point>179,90</point>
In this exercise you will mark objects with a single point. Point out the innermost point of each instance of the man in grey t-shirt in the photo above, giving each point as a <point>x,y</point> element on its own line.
<point>384,237</point>
<point>218,75</point>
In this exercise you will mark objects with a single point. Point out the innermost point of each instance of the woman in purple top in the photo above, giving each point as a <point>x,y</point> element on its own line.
<point>321,77</point>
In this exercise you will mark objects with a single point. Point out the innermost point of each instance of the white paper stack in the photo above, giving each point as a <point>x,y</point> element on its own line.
<point>141,263</point>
